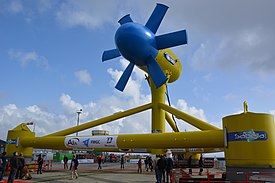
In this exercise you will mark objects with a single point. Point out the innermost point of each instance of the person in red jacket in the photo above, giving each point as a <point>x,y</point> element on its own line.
<point>139,166</point>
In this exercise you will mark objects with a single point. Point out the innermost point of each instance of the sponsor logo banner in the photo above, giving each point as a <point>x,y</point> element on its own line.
<point>249,136</point>
<point>11,141</point>
<point>91,142</point>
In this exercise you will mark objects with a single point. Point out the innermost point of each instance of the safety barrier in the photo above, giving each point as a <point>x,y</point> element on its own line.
<point>220,177</point>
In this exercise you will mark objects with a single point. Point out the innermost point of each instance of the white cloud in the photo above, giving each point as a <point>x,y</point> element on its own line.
<point>89,14</point>
<point>133,87</point>
<point>199,113</point>
<point>15,6</point>
<point>83,76</point>
<point>25,58</point>
<point>68,104</point>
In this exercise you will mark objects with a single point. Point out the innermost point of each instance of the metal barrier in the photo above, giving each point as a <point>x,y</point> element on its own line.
<point>220,177</point>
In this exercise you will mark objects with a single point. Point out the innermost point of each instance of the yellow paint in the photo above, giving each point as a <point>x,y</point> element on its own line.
<point>158,115</point>
<point>202,125</point>
<point>171,122</point>
<point>196,139</point>
<point>15,136</point>
<point>173,71</point>
<point>248,152</point>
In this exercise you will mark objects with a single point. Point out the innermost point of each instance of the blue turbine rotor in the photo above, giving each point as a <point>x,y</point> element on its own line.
<point>139,45</point>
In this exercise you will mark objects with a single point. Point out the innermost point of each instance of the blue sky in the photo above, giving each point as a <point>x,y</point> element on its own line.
<point>50,62</point>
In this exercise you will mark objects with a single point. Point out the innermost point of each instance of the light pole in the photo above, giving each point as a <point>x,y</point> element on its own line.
<point>31,123</point>
<point>78,113</point>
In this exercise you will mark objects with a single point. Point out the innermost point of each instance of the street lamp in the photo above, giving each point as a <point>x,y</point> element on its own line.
<point>78,113</point>
<point>31,123</point>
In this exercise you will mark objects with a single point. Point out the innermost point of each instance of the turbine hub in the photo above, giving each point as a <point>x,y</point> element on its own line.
<point>135,42</point>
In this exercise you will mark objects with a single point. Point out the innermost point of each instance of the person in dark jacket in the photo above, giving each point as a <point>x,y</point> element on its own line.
<point>13,167</point>
<point>190,164</point>
<point>201,165</point>
<point>157,172</point>
<point>162,163</point>
<point>169,167</point>
<point>4,164</point>
<point>150,163</point>
<point>122,161</point>
<point>21,164</point>
<point>99,161</point>
<point>65,160</point>
<point>73,167</point>
<point>40,164</point>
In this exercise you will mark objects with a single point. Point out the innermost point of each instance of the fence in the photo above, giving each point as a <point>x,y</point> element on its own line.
<point>182,175</point>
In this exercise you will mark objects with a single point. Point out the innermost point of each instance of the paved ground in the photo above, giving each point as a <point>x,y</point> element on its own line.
<point>110,173</point>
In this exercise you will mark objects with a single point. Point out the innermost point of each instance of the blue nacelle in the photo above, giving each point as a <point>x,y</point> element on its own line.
<point>136,43</point>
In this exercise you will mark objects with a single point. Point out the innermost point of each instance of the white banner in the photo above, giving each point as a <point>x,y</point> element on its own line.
<point>91,142</point>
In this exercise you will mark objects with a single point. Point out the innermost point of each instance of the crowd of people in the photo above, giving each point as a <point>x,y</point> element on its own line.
<point>17,167</point>
<point>161,165</point>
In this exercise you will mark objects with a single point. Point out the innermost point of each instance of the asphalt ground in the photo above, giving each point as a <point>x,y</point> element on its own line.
<point>110,173</point>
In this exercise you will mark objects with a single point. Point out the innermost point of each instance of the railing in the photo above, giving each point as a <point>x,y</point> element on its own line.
<point>182,175</point>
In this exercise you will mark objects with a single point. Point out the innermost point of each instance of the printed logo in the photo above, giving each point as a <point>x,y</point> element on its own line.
<point>91,142</point>
<point>73,141</point>
<point>249,136</point>
<point>11,141</point>
<point>109,140</point>
<point>86,142</point>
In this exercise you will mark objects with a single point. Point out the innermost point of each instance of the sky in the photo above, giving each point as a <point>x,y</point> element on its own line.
<point>50,62</point>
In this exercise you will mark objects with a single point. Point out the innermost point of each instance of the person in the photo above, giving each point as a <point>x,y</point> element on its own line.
<point>139,166</point>
<point>99,161</point>
<point>25,173</point>
<point>21,164</point>
<point>4,165</point>
<point>169,167</point>
<point>65,160</point>
<point>73,167</point>
<point>190,164</point>
<point>40,164</point>
<point>150,163</point>
<point>201,165</point>
<point>146,162</point>
<point>122,161</point>
<point>13,167</point>
<point>157,172</point>
<point>162,163</point>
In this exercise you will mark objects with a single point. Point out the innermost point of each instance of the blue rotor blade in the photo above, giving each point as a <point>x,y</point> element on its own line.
<point>171,39</point>
<point>156,17</point>
<point>110,54</point>
<point>125,77</point>
<point>155,72</point>
<point>125,19</point>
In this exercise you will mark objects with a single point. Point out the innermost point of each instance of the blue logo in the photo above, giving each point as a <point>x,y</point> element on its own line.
<point>86,142</point>
<point>249,136</point>
<point>11,141</point>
